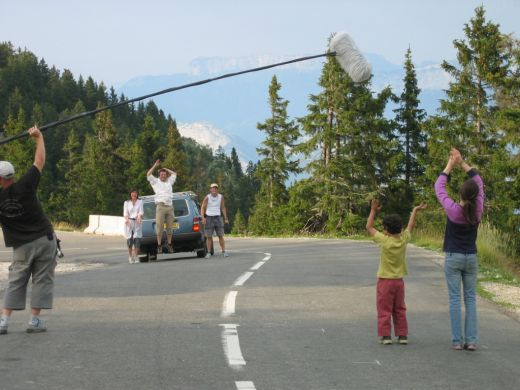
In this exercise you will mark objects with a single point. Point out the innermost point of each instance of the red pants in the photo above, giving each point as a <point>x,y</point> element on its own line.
<point>390,305</point>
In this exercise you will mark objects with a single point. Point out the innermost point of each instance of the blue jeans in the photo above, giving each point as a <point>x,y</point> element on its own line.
<point>462,267</point>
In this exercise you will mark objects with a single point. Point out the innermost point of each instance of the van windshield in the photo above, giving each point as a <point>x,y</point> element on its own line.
<point>180,207</point>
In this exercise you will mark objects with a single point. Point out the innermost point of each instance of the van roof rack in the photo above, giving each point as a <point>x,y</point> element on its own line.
<point>180,194</point>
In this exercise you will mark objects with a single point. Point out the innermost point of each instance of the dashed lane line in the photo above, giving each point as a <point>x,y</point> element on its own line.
<point>230,340</point>
<point>243,278</point>
<point>257,266</point>
<point>232,346</point>
<point>245,385</point>
<point>228,308</point>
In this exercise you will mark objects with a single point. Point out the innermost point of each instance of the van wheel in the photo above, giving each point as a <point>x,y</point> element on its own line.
<point>144,258</point>
<point>201,253</point>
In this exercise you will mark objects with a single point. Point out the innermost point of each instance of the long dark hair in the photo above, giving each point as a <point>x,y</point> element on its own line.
<point>468,193</point>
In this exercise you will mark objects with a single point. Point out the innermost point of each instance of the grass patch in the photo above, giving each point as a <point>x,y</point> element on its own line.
<point>66,227</point>
<point>497,275</point>
<point>428,238</point>
<point>485,294</point>
<point>497,259</point>
<point>496,251</point>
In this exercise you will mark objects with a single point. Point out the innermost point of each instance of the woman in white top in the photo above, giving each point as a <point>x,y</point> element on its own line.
<point>133,213</point>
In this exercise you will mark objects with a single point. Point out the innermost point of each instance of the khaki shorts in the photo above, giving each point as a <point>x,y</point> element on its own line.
<point>37,259</point>
<point>164,213</point>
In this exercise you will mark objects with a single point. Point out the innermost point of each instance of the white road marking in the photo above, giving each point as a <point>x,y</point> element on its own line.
<point>245,385</point>
<point>230,340</point>
<point>257,265</point>
<point>242,279</point>
<point>228,308</point>
<point>374,362</point>
<point>232,346</point>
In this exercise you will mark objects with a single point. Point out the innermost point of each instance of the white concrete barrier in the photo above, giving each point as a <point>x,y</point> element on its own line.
<point>93,224</point>
<point>111,226</point>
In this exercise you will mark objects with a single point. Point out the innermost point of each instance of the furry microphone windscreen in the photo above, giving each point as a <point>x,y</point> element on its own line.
<point>350,58</point>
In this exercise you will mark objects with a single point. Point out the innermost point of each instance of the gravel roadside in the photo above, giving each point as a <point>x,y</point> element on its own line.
<point>61,268</point>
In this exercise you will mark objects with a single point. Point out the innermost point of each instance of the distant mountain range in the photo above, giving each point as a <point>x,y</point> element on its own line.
<point>225,112</point>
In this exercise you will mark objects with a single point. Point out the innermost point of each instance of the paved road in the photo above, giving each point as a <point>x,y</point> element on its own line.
<point>277,314</point>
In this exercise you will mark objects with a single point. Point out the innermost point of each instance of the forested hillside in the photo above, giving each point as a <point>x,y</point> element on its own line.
<point>93,163</point>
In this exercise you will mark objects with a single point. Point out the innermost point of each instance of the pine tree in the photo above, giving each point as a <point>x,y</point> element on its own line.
<point>351,148</point>
<point>276,165</point>
<point>239,226</point>
<point>174,156</point>
<point>198,159</point>
<point>508,121</point>
<point>102,189</point>
<point>64,202</point>
<point>467,119</point>
<point>276,149</point>
<point>19,153</point>
<point>409,118</point>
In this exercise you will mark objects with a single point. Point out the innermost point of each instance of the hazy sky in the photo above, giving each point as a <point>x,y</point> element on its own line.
<point>115,40</point>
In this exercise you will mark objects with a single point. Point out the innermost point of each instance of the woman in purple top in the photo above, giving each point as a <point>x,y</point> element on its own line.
<point>461,250</point>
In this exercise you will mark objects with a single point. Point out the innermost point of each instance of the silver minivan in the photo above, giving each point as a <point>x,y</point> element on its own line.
<point>188,232</point>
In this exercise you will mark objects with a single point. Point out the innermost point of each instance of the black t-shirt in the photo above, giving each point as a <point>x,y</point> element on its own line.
<point>21,213</point>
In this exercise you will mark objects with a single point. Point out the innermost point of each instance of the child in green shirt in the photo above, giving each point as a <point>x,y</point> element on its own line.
<point>392,268</point>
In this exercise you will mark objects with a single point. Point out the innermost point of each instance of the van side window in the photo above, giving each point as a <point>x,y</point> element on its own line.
<point>149,210</point>
<point>180,207</point>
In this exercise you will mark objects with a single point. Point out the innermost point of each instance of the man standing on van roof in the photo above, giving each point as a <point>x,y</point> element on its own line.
<point>213,208</point>
<point>162,188</point>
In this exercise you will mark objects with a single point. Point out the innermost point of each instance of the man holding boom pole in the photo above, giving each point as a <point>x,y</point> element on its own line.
<point>29,232</point>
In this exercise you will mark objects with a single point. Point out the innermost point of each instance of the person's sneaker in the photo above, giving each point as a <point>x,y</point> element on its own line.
<point>130,259</point>
<point>385,340</point>
<point>170,248</point>
<point>225,254</point>
<point>403,340</point>
<point>457,347</point>
<point>3,326</point>
<point>36,326</point>
<point>471,347</point>
<point>159,249</point>
<point>208,255</point>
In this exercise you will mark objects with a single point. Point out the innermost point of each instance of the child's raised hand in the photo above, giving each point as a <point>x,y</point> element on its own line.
<point>375,205</point>
<point>420,207</point>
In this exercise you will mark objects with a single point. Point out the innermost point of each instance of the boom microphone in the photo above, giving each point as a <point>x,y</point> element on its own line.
<point>350,58</point>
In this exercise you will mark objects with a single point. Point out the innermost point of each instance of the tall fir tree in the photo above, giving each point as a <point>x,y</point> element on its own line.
<point>467,119</point>
<point>409,118</point>
<point>508,121</point>
<point>350,146</point>
<point>277,163</point>
<point>174,156</point>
